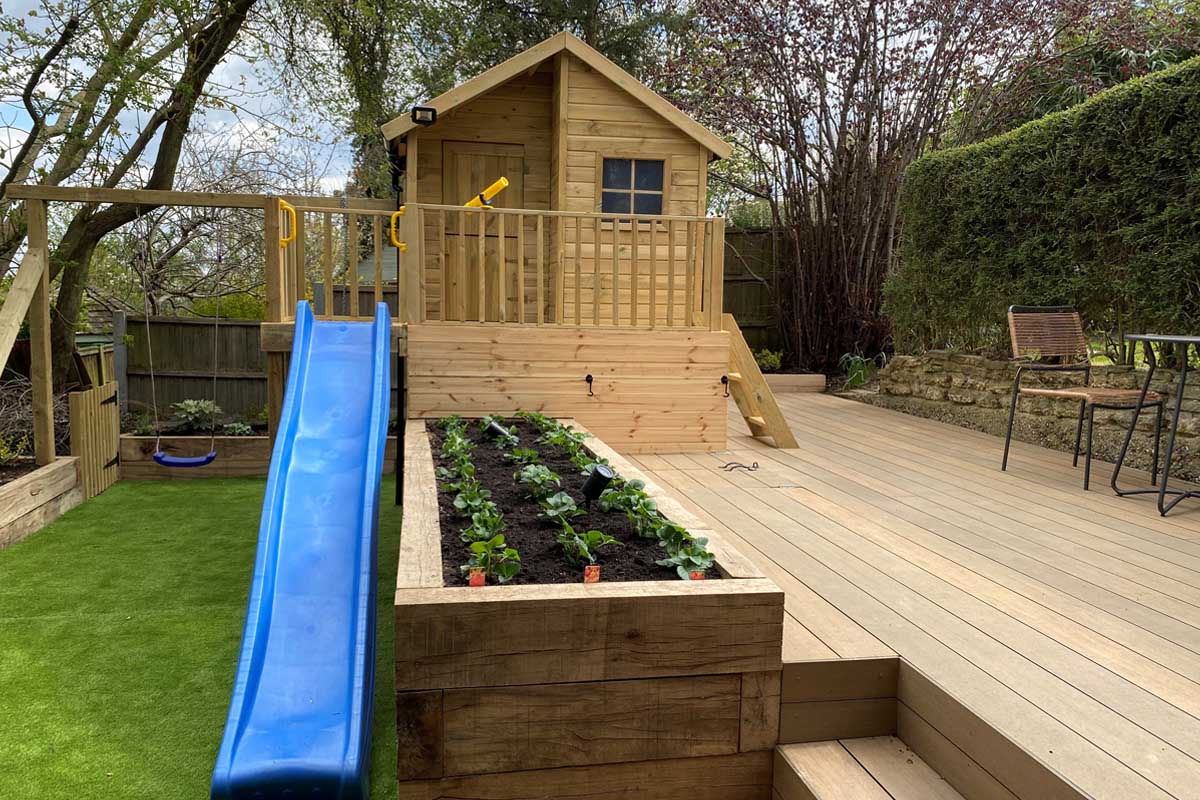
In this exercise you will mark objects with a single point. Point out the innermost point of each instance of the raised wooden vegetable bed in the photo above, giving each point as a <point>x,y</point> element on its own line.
<point>36,499</point>
<point>569,689</point>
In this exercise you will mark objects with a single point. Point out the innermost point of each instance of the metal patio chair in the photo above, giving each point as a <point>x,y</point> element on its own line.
<point>1051,339</point>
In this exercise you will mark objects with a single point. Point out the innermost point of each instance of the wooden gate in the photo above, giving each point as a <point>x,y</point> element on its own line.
<point>95,437</point>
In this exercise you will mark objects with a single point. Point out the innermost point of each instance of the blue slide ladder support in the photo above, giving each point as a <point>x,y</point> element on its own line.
<point>299,722</point>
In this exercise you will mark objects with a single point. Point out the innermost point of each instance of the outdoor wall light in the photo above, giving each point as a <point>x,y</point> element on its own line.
<point>424,115</point>
<point>597,482</point>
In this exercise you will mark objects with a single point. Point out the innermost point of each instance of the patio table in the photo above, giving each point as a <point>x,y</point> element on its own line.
<point>1148,341</point>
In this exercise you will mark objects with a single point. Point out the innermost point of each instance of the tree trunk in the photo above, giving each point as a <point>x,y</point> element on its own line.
<point>73,256</point>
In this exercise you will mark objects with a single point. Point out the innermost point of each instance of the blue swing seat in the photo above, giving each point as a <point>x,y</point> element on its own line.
<point>184,461</point>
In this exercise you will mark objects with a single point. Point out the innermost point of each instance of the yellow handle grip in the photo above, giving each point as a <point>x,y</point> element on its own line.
<point>483,199</point>
<point>399,245</point>
<point>291,212</point>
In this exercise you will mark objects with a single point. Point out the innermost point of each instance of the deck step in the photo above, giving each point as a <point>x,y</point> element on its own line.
<point>878,768</point>
<point>756,421</point>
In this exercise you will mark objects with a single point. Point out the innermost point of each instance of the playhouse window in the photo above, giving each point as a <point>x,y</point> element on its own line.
<point>632,186</point>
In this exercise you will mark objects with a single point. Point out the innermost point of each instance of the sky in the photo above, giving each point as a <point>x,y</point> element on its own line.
<point>330,154</point>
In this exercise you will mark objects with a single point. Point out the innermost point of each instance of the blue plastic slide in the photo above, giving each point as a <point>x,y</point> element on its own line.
<point>300,719</point>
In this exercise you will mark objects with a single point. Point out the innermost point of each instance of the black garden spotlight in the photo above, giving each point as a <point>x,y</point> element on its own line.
<point>597,482</point>
<point>495,430</point>
<point>424,115</point>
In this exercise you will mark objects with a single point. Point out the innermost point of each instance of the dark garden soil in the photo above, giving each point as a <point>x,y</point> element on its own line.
<point>542,559</point>
<point>10,472</point>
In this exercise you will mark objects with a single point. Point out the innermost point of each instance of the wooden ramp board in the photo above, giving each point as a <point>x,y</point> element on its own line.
<point>875,768</point>
<point>750,391</point>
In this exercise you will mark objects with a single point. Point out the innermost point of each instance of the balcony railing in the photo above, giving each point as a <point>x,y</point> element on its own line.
<point>512,266</point>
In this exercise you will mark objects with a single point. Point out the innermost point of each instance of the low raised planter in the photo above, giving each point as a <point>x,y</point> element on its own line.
<point>556,690</point>
<point>786,382</point>
<point>35,500</point>
<point>236,456</point>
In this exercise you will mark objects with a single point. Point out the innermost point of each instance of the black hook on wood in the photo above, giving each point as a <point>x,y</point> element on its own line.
<point>725,383</point>
<point>589,380</point>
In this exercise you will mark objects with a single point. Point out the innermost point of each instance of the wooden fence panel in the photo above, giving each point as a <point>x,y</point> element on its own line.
<point>183,364</point>
<point>95,437</point>
<point>749,276</point>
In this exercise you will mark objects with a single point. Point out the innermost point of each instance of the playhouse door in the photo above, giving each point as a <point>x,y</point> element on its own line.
<point>467,169</point>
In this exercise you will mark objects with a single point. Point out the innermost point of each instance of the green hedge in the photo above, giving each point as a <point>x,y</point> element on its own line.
<point>1097,206</point>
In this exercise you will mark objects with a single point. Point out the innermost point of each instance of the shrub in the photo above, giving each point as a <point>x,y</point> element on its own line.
<point>1093,207</point>
<point>769,360</point>
<point>238,429</point>
<point>194,414</point>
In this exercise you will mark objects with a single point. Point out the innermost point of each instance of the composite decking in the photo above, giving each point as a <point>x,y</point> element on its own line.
<point>1068,622</point>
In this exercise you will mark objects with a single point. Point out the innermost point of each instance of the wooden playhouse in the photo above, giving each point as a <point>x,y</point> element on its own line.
<point>591,287</point>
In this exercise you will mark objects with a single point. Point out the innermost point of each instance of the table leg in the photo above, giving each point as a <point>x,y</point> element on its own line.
<point>1166,470</point>
<point>1152,364</point>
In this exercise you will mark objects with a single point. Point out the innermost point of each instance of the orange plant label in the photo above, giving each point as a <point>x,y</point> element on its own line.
<point>591,573</point>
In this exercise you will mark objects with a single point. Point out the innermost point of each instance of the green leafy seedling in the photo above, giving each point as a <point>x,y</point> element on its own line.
<point>541,481</point>
<point>494,558</point>
<point>560,507</point>
<point>523,456</point>
<point>471,498</point>
<point>692,557</point>
<point>580,547</point>
<point>485,523</point>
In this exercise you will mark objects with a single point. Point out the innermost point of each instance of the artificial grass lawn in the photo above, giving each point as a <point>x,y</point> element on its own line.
<point>119,632</point>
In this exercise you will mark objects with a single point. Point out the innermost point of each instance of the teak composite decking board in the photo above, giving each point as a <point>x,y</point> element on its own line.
<point>1049,638</point>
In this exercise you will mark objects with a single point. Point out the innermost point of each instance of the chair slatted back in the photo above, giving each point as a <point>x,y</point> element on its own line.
<point>1047,332</point>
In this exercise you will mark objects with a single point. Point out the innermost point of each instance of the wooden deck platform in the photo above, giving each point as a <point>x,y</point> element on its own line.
<point>1048,638</point>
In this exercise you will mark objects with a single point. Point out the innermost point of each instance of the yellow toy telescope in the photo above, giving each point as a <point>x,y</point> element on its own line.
<point>484,198</point>
<point>481,200</point>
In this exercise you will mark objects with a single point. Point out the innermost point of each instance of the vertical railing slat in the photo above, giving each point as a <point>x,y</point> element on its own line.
<point>419,237</point>
<point>578,270</point>
<point>521,268</point>
<point>653,274</point>
<point>327,263</point>
<point>482,271</point>
<point>541,268</point>
<point>442,260</point>
<point>460,295</point>
<point>501,271</point>
<point>670,273</point>
<point>616,272</point>
<point>352,262</point>
<point>633,272</point>
<point>377,242</point>
<point>301,261</point>
<point>689,266</point>
<point>596,273</point>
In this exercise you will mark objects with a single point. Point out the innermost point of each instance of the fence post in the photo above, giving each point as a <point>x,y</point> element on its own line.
<point>121,358</point>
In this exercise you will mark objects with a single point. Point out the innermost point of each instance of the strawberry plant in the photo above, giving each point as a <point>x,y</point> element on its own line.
<point>494,558</point>
<point>523,456</point>
<point>541,481</point>
<point>688,558</point>
<point>580,547</point>
<point>559,507</point>
<point>485,523</point>
<point>471,498</point>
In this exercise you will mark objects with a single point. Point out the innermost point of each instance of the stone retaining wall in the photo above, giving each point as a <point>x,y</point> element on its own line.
<point>973,392</point>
